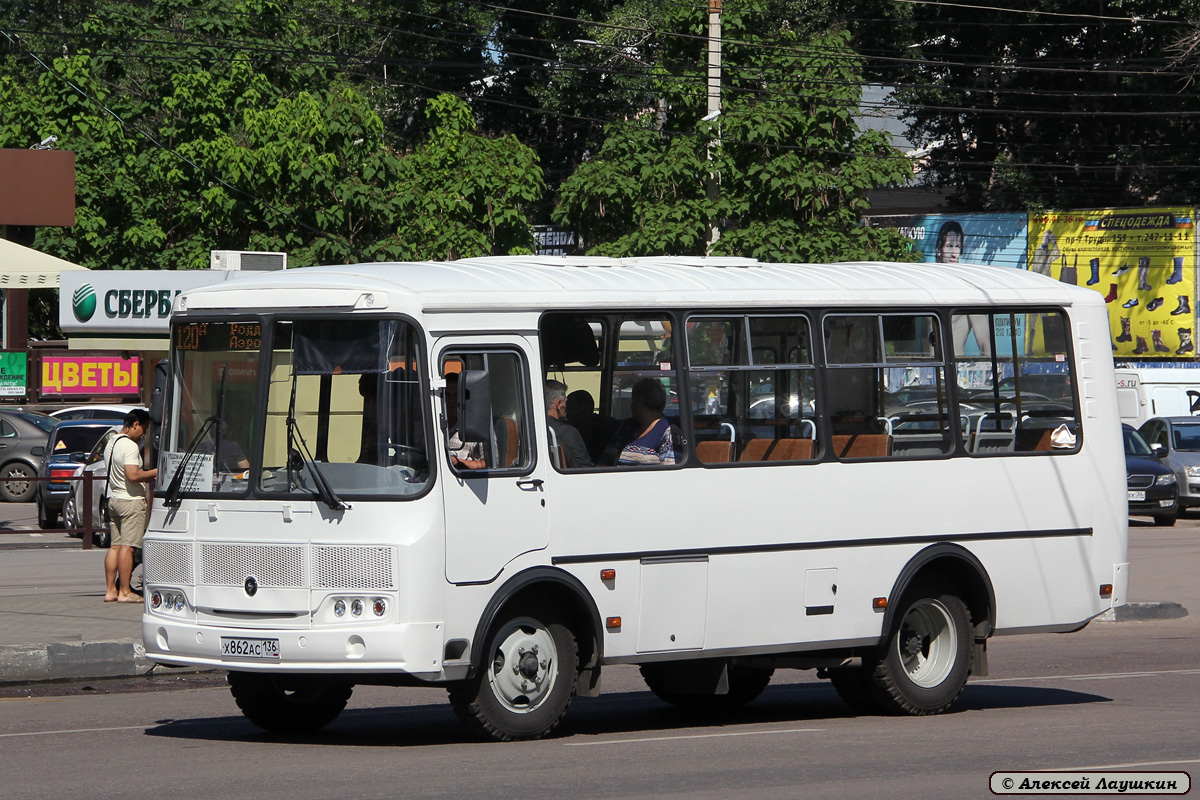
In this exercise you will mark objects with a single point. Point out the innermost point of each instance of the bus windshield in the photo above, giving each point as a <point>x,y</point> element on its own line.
<point>342,416</point>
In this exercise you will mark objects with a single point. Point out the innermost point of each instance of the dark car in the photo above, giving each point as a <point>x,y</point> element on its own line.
<point>22,444</point>
<point>66,450</point>
<point>1151,484</point>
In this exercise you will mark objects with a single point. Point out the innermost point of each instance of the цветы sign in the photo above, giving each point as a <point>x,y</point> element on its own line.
<point>89,375</point>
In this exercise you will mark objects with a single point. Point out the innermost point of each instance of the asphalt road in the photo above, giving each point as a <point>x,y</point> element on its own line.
<point>1116,695</point>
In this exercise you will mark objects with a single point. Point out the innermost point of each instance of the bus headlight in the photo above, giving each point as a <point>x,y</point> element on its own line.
<point>356,607</point>
<point>339,608</point>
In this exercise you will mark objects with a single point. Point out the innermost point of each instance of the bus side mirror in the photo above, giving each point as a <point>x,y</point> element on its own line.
<point>475,406</point>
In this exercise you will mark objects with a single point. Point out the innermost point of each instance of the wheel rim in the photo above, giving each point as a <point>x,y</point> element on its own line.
<point>523,669</point>
<point>69,513</point>
<point>16,488</point>
<point>927,643</point>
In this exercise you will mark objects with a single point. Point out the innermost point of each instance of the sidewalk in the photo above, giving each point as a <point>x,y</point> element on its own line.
<point>55,625</point>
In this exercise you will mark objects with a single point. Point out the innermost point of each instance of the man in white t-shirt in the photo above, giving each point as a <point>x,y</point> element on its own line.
<point>128,504</point>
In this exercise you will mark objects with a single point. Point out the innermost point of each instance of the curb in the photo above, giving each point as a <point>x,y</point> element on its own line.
<point>72,661</point>
<point>1139,612</point>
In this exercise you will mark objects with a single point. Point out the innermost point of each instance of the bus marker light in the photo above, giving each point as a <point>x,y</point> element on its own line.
<point>613,623</point>
<point>608,574</point>
<point>879,603</point>
<point>1106,590</point>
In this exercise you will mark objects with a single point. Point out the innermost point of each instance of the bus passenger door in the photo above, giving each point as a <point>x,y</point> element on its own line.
<point>492,488</point>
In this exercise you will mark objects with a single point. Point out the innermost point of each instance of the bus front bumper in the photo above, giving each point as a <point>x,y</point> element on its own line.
<point>414,648</point>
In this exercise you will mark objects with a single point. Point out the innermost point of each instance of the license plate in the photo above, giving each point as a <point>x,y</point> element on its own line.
<point>249,648</point>
<point>1137,496</point>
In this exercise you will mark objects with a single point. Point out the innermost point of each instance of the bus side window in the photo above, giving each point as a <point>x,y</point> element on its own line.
<point>485,409</point>
<point>1018,392</point>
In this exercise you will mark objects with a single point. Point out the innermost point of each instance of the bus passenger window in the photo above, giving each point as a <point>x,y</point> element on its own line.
<point>887,389</point>
<point>1018,396</point>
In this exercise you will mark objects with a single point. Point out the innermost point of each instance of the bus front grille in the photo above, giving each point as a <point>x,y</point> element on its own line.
<point>349,567</point>
<point>167,562</point>
<point>272,566</point>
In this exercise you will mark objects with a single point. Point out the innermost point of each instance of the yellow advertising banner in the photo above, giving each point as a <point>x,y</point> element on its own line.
<point>1144,263</point>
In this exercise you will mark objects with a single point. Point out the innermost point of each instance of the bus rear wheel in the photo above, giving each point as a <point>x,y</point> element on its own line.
<point>289,703</point>
<point>523,689</point>
<point>923,668</point>
<point>745,685</point>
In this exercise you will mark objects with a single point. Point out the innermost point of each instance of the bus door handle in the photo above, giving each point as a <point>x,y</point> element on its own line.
<point>526,484</point>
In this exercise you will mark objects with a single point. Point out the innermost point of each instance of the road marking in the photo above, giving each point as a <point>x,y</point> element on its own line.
<point>77,730</point>
<point>696,736</point>
<point>1126,766</point>
<point>1098,676</point>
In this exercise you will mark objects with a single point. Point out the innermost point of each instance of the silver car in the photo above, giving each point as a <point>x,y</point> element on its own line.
<point>93,465</point>
<point>1178,440</point>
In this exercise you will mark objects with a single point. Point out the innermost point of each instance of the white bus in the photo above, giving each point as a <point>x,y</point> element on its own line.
<point>838,467</point>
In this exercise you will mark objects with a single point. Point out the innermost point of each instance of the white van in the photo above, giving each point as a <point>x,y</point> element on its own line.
<point>1148,392</point>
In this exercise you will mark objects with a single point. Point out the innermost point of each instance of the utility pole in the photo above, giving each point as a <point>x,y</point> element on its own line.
<point>714,107</point>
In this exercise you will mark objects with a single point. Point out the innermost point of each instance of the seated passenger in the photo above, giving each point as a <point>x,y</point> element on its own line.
<point>575,454</point>
<point>645,439</point>
<point>581,414</point>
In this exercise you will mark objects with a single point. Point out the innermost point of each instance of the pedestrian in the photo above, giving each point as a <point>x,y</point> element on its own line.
<point>128,504</point>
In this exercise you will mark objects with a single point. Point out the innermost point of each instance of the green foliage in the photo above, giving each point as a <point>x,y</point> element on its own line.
<point>793,167</point>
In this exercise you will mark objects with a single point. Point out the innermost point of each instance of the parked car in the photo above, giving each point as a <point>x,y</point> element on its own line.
<point>1177,442</point>
<point>67,447</point>
<point>1152,486</point>
<point>22,445</point>
<point>95,466</point>
<point>92,412</point>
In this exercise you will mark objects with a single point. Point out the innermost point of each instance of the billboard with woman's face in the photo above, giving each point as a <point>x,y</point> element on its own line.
<point>997,239</point>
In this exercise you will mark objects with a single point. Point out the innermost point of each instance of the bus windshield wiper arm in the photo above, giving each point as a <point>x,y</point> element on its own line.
<point>324,490</point>
<point>171,498</point>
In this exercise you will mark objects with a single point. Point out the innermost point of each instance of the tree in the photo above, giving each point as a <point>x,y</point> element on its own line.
<point>1042,104</point>
<point>794,167</point>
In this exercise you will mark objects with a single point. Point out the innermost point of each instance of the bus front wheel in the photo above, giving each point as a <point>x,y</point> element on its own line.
<point>289,703</point>
<point>924,665</point>
<point>523,689</point>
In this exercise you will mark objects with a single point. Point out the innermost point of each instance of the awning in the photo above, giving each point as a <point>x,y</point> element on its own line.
<point>26,268</point>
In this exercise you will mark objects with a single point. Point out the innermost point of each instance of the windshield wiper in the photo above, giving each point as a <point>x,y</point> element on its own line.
<point>171,498</point>
<point>324,490</point>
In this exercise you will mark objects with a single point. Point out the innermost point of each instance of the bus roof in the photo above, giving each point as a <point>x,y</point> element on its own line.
<point>528,283</point>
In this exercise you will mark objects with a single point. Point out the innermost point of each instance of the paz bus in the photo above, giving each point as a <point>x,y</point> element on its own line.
<point>873,469</point>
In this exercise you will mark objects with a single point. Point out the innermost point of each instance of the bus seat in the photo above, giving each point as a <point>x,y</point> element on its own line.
<point>717,451</point>
<point>756,450</point>
<point>1033,440</point>
<point>508,443</point>
<point>777,450</point>
<point>992,442</point>
<point>862,445</point>
<point>792,450</point>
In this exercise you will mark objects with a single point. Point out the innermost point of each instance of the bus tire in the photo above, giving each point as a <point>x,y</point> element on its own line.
<point>924,665</point>
<point>745,685</point>
<point>853,685</point>
<point>289,703</point>
<point>525,685</point>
